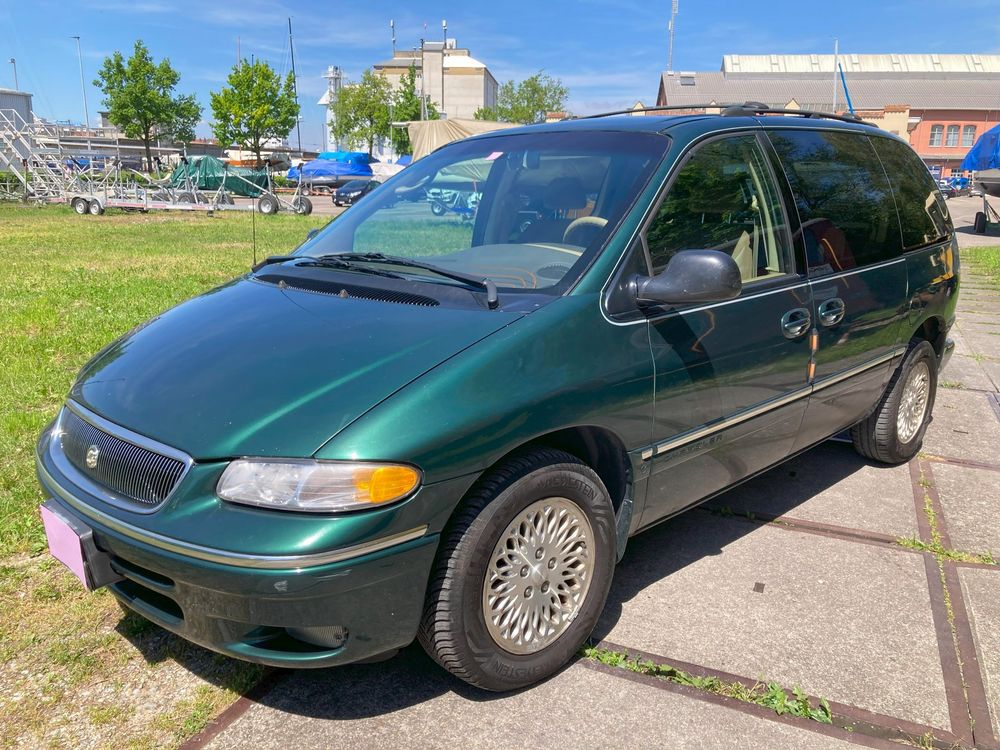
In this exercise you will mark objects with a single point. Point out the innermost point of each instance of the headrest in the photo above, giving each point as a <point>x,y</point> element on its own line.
<point>565,193</point>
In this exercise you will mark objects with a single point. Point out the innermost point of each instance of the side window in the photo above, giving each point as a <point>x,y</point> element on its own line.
<point>845,205</point>
<point>923,215</point>
<point>937,132</point>
<point>723,198</point>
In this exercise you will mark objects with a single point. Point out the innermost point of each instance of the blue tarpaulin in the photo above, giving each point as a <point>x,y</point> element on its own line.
<point>357,157</point>
<point>985,154</point>
<point>329,168</point>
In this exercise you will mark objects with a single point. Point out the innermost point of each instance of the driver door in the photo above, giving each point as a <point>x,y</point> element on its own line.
<point>731,377</point>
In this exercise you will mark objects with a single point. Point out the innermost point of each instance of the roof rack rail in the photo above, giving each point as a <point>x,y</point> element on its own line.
<point>750,109</point>
<point>746,109</point>
<point>664,108</point>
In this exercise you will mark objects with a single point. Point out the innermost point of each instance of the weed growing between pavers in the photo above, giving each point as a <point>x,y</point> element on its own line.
<point>935,546</point>
<point>770,695</point>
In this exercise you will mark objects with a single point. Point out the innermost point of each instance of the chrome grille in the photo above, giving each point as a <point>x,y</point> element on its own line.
<point>135,473</point>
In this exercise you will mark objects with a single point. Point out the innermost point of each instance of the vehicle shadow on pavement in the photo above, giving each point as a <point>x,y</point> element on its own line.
<point>369,690</point>
<point>695,534</point>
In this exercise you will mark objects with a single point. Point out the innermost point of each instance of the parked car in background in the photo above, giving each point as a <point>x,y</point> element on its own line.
<point>351,192</point>
<point>448,431</point>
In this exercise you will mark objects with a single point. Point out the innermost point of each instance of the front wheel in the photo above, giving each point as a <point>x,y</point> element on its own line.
<point>894,432</point>
<point>523,572</point>
<point>438,209</point>
<point>980,223</point>
<point>302,205</point>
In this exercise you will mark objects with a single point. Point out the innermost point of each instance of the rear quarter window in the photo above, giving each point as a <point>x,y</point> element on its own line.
<point>923,215</point>
<point>845,204</point>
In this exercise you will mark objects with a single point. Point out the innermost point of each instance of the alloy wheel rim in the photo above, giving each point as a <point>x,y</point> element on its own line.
<point>913,402</point>
<point>538,576</point>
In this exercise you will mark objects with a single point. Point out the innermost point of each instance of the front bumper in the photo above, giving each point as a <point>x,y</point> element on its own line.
<point>289,615</point>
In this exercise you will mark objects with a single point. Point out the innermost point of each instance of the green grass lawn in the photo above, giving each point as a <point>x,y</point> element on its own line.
<point>985,260</point>
<point>74,283</point>
<point>75,671</point>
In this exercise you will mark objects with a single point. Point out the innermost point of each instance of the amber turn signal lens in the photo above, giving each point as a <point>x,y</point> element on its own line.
<point>384,484</point>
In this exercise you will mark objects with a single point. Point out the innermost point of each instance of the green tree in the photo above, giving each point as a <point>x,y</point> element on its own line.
<point>361,111</point>
<point>140,99</point>
<point>526,102</point>
<point>406,107</point>
<point>254,107</point>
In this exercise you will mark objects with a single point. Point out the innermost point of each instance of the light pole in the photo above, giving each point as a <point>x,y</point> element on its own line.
<point>83,87</point>
<point>444,44</point>
<point>14,63</point>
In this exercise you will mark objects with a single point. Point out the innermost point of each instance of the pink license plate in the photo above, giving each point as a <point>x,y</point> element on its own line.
<point>64,544</point>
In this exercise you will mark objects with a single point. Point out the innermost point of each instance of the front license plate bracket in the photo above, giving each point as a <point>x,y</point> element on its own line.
<point>80,554</point>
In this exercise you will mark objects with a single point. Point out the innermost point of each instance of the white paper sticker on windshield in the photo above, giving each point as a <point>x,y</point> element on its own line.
<point>494,155</point>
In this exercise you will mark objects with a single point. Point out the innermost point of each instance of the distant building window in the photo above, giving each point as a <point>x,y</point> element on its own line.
<point>951,139</point>
<point>937,133</point>
<point>969,135</point>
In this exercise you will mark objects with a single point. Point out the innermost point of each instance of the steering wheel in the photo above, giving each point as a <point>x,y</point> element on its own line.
<point>584,221</point>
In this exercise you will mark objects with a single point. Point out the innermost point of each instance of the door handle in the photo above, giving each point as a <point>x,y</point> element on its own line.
<point>795,323</point>
<point>832,311</point>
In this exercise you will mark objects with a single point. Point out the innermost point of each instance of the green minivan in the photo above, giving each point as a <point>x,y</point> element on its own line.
<point>420,426</point>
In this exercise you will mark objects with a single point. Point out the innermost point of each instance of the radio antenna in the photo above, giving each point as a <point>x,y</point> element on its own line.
<point>253,205</point>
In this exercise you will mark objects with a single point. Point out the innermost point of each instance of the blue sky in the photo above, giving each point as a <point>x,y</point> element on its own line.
<point>608,52</point>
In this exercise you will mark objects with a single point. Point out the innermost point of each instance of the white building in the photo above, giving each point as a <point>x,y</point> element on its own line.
<point>457,83</point>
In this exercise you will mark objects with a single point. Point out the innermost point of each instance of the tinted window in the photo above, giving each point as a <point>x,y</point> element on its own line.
<point>923,215</point>
<point>845,204</point>
<point>724,198</point>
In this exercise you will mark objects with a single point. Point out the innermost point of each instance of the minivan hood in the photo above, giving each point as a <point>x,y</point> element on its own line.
<point>254,369</point>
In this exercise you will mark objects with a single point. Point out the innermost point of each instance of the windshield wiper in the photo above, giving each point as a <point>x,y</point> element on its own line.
<point>486,284</point>
<point>324,261</point>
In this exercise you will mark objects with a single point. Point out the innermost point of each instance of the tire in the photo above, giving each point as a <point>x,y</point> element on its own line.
<point>456,629</point>
<point>267,204</point>
<point>95,208</point>
<point>226,199</point>
<point>185,197</point>
<point>303,206</point>
<point>438,209</point>
<point>879,436</point>
<point>80,206</point>
<point>980,223</point>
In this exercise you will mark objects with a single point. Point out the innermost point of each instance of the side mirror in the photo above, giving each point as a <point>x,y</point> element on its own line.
<point>691,276</point>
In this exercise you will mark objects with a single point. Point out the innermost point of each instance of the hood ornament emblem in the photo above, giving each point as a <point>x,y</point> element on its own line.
<point>92,453</point>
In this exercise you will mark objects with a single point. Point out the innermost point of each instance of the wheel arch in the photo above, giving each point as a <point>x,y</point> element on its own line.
<point>598,447</point>
<point>933,330</point>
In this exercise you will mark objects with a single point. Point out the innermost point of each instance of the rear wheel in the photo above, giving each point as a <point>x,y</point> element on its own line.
<point>95,208</point>
<point>80,206</point>
<point>302,205</point>
<point>185,197</point>
<point>438,209</point>
<point>894,432</point>
<point>980,223</point>
<point>523,572</point>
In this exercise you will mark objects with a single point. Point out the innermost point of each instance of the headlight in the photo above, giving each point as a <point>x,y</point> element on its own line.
<point>319,487</point>
<point>355,194</point>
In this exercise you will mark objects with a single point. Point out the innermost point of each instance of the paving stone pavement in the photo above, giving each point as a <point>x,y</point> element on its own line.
<point>797,576</point>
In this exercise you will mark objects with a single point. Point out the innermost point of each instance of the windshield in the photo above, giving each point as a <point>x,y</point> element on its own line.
<point>354,185</point>
<point>526,211</point>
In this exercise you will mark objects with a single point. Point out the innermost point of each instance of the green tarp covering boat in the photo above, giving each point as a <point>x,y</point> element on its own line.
<point>207,173</point>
